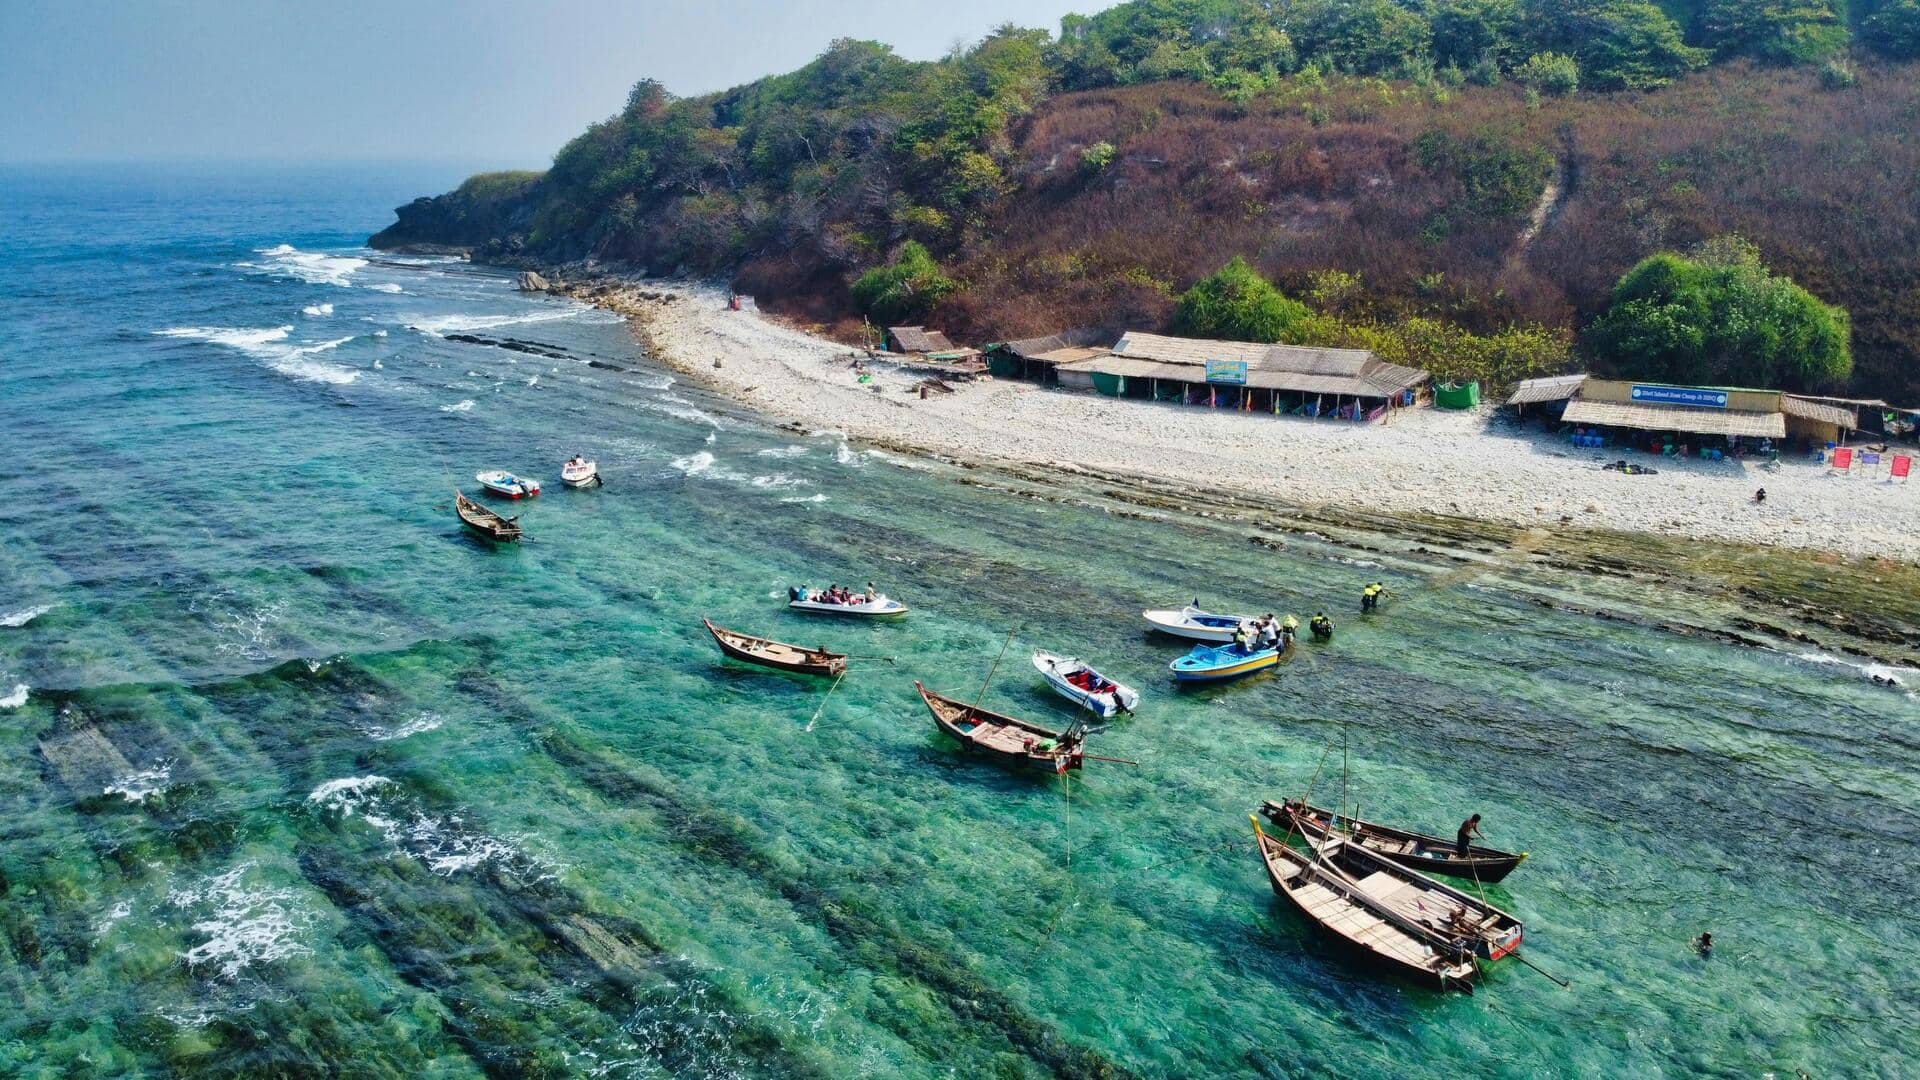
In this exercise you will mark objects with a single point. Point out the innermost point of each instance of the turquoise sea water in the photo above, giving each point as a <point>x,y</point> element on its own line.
<point>297,777</point>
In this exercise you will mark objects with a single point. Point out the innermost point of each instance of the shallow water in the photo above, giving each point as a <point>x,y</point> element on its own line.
<point>301,775</point>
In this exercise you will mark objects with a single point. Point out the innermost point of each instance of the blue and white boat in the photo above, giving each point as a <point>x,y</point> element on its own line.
<point>1194,624</point>
<point>1076,681</point>
<point>1213,663</point>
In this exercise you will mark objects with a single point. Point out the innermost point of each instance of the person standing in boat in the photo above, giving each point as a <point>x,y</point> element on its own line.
<point>1240,638</point>
<point>871,595</point>
<point>1463,840</point>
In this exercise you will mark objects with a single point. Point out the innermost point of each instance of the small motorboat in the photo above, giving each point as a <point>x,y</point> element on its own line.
<point>1076,681</point>
<point>484,521</point>
<point>1211,664</point>
<point>1007,740</point>
<point>578,472</point>
<point>507,485</point>
<point>777,654</point>
<point>1194,624</point>
<point>879,607</point>
<point>1417,851</point>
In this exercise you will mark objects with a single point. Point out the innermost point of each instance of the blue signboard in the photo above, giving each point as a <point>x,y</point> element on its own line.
<point>1227,371</point>
<point>1680,395</point>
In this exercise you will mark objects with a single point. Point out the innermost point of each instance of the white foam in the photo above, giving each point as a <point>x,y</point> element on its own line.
<point>694,464</point>
<point>820,498</point>
<point>386,287</point>
<point>680,408</point>
<point>783,452</point>
<point>458,406</point>
<point>413,725</point>
<point>311,267</point>
<point>317,310</point>
<point>255,637</point>
<point>24,616</point>
<point>244,924</point>
<point>1879,673</point>
<point>16,697</point>
<point>533,380</point>
<point>442,325</point>
<point>780,480</point>
<point>270,344</point>
<point>445,844</point>
<point>140,786</point>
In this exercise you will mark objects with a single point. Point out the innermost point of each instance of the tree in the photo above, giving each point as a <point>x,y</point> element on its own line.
<point>905,290</point>
<point>1620,44</point>
<point>1465,31</point>
<point>1773,31</point>
<point>1893,30</point>
<point>1367,37</point>
<point>1719,317</point>
<point>1235,303</point>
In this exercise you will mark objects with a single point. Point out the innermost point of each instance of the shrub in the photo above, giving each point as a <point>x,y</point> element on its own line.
<point>1720,317</point>
<point>1235,303</point>
<point>905,290</point>
<point>1838,74</point>
<point>1550,73</point>
<point>1097,157</point>
<point>1774,31</point>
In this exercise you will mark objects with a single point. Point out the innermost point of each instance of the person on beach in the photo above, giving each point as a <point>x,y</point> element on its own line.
<point>1704,943</point>
<point>1463,840</point>
<point>1760,495</point>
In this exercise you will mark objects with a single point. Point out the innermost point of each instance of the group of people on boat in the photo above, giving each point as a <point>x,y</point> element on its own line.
<point>1265,632</point>
<point>833,594</point>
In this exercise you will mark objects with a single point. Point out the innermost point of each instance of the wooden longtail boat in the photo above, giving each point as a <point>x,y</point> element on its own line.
<point>1450,913</point>
<point>1418,851</point>
<point>776,654</point>
<point>484,521</point>
<point>1340,909</point>
<point>1012,742</point>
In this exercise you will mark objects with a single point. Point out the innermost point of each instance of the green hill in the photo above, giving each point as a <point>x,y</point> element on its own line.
<point>1426,175</point>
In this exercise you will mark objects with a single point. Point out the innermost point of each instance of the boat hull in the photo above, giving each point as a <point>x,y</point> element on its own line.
<point>1289,873</point>
<point>485,522</point>
<point>880,608</point>
<point>735,645</point>
<point>1195,625</point>
<point>1105,705</point>
<point>1483,865</point>
<point>1204,665</point>
<point>587,475</point>
<point>965,724</point>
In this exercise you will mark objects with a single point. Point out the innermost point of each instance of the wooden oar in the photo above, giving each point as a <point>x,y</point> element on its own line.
<point>1562,983</point>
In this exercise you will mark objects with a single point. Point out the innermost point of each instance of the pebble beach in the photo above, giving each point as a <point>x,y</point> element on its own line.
<point>1476,464</point>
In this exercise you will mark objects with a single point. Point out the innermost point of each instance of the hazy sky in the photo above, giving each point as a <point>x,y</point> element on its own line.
<point>485,82</point>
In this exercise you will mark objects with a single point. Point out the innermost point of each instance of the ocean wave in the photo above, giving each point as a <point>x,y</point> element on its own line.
<point>694,464</point>
<point>819,498</point>
<point>254,637</point>
<point>458,406</point>
<point>385,287</point>
<point>24,616</point>
<point>16,697</point>
<point>682,409</point>
<point>317,310</point>
<point>780,480</point>
<point>444,843</point>
<point>139,786</point>
<point>783,452</point>
<point>442,325</point>
<point>244,924</point>
<point>270,344</point>
<point>1882,674</point>
<point>312,267</point>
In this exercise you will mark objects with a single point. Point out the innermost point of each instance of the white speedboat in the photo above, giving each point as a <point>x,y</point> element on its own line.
<point>1194,624</point>
<point>579,472</point>
<point>1076,681</point>
<point>506,484</point>
<point>879,607</point>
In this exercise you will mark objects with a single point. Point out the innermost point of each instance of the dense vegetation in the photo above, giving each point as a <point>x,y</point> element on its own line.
<point>1719,318</point>
<point>1468,168</point>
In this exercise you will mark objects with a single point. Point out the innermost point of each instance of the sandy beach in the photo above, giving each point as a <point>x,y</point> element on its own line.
<point>1474,464</point>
